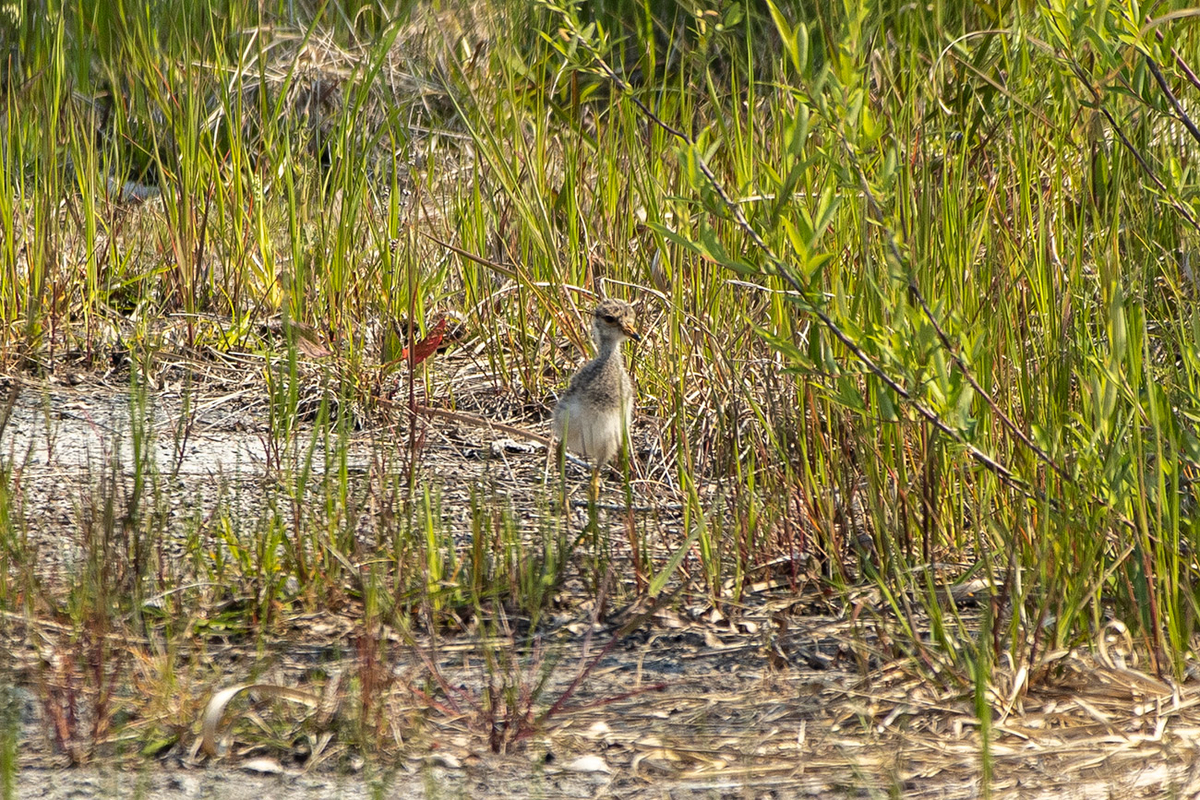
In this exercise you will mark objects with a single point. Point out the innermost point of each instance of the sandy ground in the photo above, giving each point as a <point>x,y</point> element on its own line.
<point>782,696</point>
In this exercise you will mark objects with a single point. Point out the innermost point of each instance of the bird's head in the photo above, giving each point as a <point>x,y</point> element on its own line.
<point>614,320</point>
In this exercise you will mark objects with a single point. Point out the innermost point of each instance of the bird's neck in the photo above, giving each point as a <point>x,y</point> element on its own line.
<point>608,347</point>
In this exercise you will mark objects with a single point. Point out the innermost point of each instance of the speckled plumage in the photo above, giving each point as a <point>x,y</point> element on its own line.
<point>593,416</point>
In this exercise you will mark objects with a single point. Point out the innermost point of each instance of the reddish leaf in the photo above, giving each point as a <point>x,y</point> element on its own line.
<point>427,346</point>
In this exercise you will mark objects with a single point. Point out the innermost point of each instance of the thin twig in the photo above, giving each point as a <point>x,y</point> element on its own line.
<point>1162,85</point>
<point>1145,165</point>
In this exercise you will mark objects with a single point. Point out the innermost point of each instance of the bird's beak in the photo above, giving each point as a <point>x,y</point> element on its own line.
<point>629,331</point>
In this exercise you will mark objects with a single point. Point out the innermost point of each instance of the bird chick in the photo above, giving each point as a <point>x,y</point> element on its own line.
<point>592,418</point>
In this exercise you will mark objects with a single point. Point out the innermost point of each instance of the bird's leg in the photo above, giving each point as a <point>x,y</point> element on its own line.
<point>592,530</point>
<point>559,454</point>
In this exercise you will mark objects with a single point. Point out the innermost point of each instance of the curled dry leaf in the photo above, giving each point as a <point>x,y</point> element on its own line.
<point>427,346</point>
<point>502,446</point>
<point>588,764</point>
<point>442,759</point>
<point>598,730</point>
<point>215,710</point>
<point>264,766</point>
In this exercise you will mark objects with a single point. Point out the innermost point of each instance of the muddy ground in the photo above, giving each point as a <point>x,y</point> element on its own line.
<point>783,694</point>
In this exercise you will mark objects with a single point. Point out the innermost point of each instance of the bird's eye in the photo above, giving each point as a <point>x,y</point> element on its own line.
<point>608,318</point>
